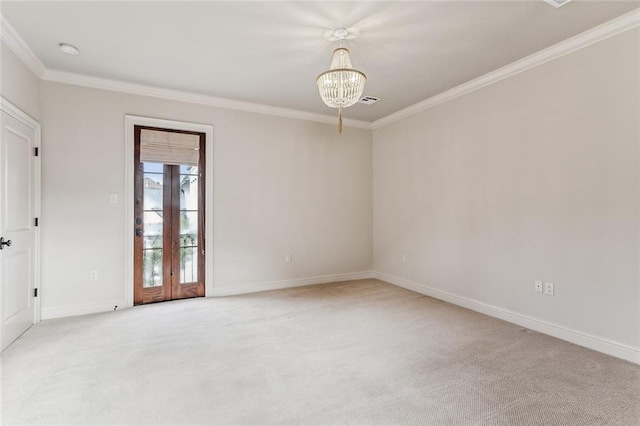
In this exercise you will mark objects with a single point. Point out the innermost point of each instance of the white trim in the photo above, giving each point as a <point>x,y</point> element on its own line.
<point>608,29</point>
<point>230,290</point>
<point>193,98</point>
<point>106,306</point>
<point>129,122</point>
<point>20,48</point>
<point>19,115</point>
<point>75,310</point>
<point>609,347</point>
<point>570,45</point>
<point>33,124</point>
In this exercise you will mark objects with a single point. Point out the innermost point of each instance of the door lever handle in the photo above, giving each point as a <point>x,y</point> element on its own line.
<point>4,243</point>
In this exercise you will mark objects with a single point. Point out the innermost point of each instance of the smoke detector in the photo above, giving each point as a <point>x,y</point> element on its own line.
<point>557,3</point>
<point>368,100</point>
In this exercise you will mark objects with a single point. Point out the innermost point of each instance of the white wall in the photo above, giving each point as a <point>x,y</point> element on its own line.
<point>534,177</point>
<point>281,186</point>
<point>19,85</point>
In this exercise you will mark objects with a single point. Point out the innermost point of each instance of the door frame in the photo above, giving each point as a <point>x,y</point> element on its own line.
<point>130,121</point>
<point>30,122</point>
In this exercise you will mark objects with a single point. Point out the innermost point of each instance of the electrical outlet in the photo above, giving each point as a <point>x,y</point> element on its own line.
<point>548,289</point>
<point>538,286</point>
<point>287,258</point>
<point>93,275</point>
<point>403,258</point>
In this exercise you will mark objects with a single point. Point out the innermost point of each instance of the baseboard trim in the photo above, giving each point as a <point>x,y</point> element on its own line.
<point>75,310</point>
<point>599,344</point>
<point>106,306</point>
<point>231,290</point>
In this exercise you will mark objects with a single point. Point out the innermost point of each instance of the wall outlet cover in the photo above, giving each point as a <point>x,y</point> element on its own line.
<point>548,289</point>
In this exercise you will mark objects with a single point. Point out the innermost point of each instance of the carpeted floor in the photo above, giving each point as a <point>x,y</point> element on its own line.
<point>362,352</point>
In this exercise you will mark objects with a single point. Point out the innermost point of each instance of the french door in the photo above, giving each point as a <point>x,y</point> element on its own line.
<point>169,215</point>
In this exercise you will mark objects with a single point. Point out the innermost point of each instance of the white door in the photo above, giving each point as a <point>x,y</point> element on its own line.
<point>18,204</point>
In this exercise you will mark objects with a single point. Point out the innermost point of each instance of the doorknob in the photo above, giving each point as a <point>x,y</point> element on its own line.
<point>4,243</point>
<point>138,232</point>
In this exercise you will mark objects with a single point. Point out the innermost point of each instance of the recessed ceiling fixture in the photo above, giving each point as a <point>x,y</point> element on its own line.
<point>68,49</point>
<point>341,86</point>
<point>557,3</point>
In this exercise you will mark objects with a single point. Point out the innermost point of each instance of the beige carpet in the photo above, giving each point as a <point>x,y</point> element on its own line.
<point>361,352</point>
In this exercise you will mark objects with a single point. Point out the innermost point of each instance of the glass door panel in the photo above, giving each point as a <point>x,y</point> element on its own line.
<point>189,224</point>
<point>153,223</point>
<point>152,268</point>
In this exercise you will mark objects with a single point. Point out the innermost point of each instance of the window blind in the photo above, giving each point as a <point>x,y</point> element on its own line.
<point>157,146</point>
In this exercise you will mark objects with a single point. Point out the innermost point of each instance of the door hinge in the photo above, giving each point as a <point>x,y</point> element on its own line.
<point>36,221</point>
<point>35,292</point>
<point>37,151</point>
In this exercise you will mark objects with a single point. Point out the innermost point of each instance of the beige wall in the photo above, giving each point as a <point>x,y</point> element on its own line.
<point>281,186</point>
<point>535,177</point>
<point>19,85</point>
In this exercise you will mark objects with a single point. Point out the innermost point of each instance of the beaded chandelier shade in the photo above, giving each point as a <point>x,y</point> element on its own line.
<point>341,86</point>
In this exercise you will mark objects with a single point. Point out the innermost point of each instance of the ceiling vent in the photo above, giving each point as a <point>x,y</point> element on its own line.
<point>368,100</point>
<point>557,3</point>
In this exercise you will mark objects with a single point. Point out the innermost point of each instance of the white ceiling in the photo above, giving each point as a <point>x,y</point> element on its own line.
<point>271,52</point>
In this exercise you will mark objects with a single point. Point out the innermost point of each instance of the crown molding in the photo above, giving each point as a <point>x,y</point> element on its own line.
<point>189,97</point>
<point>20,48</point>
<point>608,29</point>
<point>601,32</point>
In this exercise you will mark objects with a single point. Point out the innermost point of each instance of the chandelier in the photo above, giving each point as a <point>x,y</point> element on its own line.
<point>341,86</point>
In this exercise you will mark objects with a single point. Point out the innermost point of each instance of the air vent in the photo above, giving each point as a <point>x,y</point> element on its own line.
<point>368,100</point>
<point>557,3</point>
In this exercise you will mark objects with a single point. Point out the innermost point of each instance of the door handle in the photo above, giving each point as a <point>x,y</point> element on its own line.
<point>138,232</point>
<point>4,243</point>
